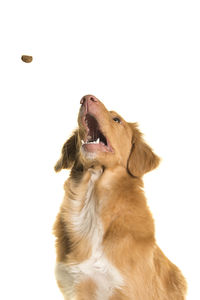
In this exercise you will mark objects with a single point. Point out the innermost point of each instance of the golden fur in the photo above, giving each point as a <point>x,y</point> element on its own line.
<point>110,179</point>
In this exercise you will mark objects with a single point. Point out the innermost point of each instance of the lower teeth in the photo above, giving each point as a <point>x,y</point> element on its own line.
<point>93,142</point>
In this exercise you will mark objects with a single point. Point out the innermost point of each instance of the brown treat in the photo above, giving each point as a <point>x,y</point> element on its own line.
<point>26,58</point>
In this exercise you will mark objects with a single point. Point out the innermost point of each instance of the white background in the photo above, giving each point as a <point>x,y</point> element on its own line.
<point>142,59</point>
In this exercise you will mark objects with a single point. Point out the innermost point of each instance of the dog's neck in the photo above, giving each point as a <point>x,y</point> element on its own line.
<point>92,196</point>
<point>102,180</point>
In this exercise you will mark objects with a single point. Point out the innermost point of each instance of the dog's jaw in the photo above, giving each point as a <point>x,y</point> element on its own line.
<point>88,155</point>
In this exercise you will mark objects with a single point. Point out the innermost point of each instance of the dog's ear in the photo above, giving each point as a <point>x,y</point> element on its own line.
<point>142,159</point>
<point>68,154</point>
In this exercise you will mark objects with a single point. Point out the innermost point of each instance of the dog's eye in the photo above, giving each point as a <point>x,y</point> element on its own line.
<point>117,120</point>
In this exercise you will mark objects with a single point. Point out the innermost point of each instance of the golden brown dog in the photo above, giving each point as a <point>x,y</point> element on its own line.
<point>106,248</point>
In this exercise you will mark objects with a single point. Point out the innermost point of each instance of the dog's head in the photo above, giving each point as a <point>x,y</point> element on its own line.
<point>105,138</point>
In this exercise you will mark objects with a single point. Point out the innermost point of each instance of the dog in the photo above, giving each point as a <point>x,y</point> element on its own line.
<point>105,238</point>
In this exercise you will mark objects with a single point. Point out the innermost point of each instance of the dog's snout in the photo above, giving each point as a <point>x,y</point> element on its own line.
<point>90,104</point>
<point>88,98</point>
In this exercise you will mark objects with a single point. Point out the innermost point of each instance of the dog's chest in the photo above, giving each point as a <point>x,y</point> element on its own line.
<point>97,267</point>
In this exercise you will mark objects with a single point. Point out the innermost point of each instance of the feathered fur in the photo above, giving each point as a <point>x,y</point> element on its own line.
<point>105,237</point>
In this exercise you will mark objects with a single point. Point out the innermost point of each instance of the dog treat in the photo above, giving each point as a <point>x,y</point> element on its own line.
<point>27,58</point>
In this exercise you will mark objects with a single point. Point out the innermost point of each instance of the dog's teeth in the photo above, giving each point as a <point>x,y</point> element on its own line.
<point>96,142</point>
<point>82,142</point>
<point>91,142</point>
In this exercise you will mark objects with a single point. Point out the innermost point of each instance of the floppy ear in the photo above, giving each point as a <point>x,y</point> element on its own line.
<point>142,159</point>
<point>68,154</point>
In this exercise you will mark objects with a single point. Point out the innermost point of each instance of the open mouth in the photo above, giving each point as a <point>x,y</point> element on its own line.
<point>95,140</point>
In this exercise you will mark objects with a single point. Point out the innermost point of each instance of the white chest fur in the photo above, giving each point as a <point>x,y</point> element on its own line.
<point>97,267</point>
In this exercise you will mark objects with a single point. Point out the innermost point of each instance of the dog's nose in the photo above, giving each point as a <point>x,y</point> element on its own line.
<point>88,98</point>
